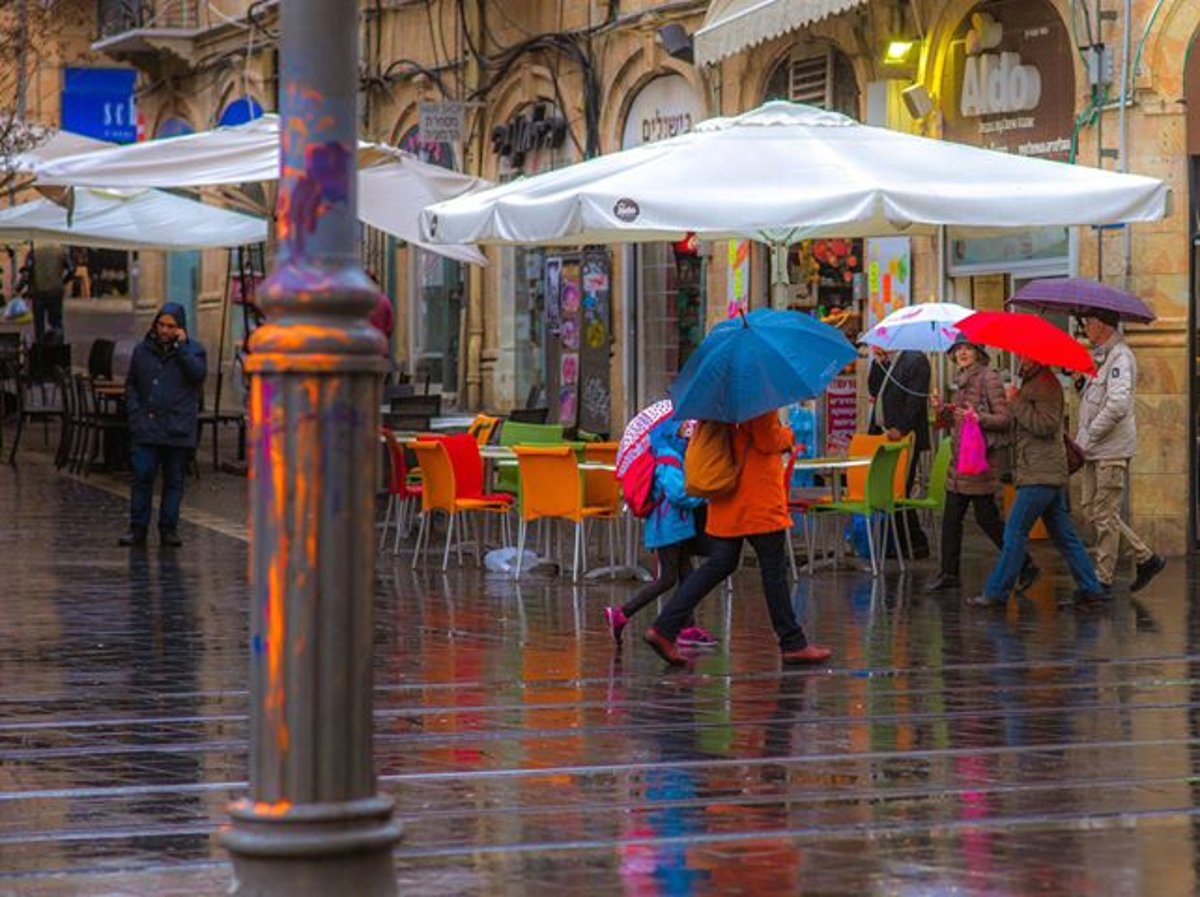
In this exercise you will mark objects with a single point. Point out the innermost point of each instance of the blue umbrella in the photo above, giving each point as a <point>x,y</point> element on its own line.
<point>758,362</point>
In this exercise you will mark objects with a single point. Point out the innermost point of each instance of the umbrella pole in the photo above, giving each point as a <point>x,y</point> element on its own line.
<point>781,292</point>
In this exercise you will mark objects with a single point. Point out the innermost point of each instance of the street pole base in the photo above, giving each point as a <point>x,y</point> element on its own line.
<point>313,850</point>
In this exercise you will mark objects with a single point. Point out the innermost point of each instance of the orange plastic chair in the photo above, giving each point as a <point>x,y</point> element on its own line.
<point>551,487</point>
<point>483,427</point>
<point>439,493</point>
<point>402,494</point>
<point>863,445</point>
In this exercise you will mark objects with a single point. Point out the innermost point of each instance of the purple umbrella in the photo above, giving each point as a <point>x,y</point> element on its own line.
<point>1079,295</point>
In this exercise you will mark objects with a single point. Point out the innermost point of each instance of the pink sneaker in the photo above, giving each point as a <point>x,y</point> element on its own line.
<point>616,620</point>
<point>695,637</point>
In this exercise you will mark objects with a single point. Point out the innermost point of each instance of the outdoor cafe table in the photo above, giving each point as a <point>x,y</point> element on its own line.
<point>836,466</point>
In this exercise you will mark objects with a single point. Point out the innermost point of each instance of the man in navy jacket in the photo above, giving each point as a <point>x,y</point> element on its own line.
<point>162,395</point>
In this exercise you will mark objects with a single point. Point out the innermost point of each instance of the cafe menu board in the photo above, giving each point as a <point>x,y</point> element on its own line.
<point>841,413</point>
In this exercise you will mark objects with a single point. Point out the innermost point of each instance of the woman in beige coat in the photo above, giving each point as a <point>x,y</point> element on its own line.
<point>979,391</point>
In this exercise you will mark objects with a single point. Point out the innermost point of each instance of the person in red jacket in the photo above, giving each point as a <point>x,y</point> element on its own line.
<point>756,509</point>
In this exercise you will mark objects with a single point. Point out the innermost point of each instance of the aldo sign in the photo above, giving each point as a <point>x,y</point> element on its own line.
<point>1009,80</point>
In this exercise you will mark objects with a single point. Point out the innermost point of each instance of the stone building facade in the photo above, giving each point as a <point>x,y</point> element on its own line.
<point>547,84</point>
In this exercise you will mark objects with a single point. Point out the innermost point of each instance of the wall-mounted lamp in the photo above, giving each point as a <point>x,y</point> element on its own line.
<point>677,42</point>
<point>900,51</point>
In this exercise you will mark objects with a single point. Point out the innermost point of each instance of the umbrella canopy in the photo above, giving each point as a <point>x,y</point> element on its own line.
<point>1030,336</point>
<point>928,327</point>
<point>393,185</point>
<point>784,172</point>
<point>636,439</point>
<point>130,220</point>
<point>758,362</point>
<point>1079,295</point>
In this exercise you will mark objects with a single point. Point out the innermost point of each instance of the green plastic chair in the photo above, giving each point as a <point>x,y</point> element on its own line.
<point>878,496</point>
<point>935,499</point>
<point>512,432</point>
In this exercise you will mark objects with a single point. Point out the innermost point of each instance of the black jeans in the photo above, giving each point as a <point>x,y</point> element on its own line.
<point>987,515</point>
<point>911,525</point>
<point>674,565</point>
<point>722,562</point>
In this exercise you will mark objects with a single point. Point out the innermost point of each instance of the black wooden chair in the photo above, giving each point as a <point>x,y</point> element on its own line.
<point>36,401</point>
<point>423,405</point>
<point>214,419</point>
<point>529,415</point>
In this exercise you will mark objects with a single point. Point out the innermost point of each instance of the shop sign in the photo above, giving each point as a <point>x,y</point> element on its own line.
<point>441,122</point>
<point>666,107</point>
<point>1009,81</point>
<point>99,102</point>
<point>538,127</point>
<point>841,413</point>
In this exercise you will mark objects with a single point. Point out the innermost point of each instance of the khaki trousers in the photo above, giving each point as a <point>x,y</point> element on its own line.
<point>1103,492</point>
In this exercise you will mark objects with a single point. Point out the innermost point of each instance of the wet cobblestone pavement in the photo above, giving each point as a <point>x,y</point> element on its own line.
<point>944,751</point>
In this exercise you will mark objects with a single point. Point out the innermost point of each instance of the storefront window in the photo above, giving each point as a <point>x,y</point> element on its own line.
<point>438,319</point>
<point>670,315</point>
<point>529,326</point>
<point>435,317</point>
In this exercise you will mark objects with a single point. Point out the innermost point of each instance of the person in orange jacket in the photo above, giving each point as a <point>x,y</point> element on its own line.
<point>755,509</point>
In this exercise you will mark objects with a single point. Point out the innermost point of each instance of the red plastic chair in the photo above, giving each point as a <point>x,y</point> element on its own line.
<point>402,495</point>
<point>467,463</point>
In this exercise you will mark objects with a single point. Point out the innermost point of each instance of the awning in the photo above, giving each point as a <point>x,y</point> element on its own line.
<point>731,26</point>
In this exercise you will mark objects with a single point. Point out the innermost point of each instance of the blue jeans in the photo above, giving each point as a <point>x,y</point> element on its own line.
<point>146,460</point>
<point>1049,503</point>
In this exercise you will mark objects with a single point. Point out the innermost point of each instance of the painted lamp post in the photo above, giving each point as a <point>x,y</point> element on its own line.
<point>313,823</point>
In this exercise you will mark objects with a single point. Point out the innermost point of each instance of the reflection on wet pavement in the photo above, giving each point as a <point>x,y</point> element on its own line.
<point>946,750</point>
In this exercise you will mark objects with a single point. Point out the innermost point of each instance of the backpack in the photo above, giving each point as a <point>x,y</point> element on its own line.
<point>637,482</point>
<point>709,467</point>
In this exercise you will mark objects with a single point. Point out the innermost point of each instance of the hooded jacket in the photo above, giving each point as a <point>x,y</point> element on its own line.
<point>673,518</point>
<point>163,387</point>
<point>1107,430</point>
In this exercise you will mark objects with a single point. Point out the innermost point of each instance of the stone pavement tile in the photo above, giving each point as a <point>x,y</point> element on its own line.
<point>943,750</point>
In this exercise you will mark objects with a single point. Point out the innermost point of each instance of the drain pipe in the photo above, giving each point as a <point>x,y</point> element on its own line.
<point>1123,131</point>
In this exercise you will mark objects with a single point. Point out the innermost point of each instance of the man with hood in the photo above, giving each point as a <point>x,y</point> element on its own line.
<point>162,395</point>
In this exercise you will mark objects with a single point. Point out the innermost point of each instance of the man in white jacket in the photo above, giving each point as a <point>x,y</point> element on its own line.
<point>1108,437</point>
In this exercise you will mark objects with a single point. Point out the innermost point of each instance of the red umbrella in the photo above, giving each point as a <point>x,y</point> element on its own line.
<point>1027,335</point>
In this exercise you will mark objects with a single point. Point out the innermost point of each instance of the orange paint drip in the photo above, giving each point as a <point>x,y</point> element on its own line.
<point>278,808</point>
<point>276,704</point>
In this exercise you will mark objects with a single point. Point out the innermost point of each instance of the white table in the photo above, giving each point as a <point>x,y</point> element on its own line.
<point>835,466</point>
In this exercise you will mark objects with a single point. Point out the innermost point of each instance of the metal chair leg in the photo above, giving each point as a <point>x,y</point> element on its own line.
<point>522,528</point>
<point>450,538</point>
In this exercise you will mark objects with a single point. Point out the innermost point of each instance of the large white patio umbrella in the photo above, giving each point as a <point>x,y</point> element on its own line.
<point>130,220</point>
<point>393,185</point>
<point>785,172</point>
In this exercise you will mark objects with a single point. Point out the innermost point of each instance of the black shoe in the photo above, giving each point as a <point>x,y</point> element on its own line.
<point>168,538</point>
<point>132,537</point>
<point>943,582</point>
<point>982,600</point>
<point>1082,597</point>
<point>1147,571</point>
<point>1028,576</point>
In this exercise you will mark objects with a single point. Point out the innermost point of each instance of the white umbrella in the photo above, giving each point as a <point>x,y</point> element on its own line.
<point>785,172</point>
<point>928,327</point>
<point>130,220</point>
<point>390,196</point>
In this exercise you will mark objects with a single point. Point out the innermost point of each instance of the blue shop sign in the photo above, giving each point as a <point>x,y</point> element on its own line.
<point>99,102</point>
<point>240,111</point>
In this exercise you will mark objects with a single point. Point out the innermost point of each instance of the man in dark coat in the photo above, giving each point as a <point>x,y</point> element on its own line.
<point>162,395</point>
<point>899,386</point>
